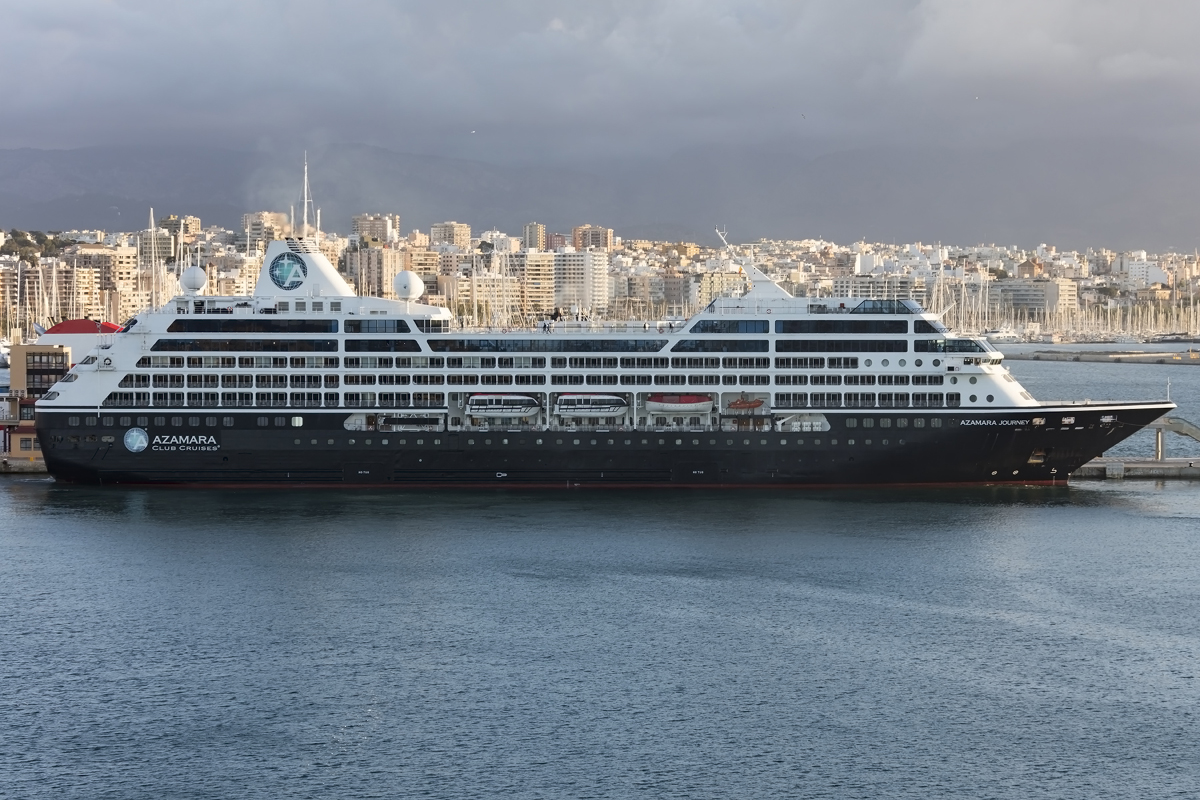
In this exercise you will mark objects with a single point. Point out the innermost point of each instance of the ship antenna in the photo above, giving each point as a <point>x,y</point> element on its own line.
<point>305,200</point>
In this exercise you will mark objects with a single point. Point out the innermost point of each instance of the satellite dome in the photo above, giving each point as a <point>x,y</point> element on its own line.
<point>193,279</point>
<point>408,285</point>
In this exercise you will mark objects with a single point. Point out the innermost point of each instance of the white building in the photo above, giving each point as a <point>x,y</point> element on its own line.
<point>581,280</point>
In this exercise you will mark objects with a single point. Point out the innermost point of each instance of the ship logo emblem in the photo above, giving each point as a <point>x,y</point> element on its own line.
<point>288,271</point>
<point>136,440</point>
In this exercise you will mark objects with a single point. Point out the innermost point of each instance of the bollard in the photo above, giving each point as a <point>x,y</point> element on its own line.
<point>1160,450</point>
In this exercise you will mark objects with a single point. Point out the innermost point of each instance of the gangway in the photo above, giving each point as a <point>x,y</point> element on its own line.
<point>1177,425</point>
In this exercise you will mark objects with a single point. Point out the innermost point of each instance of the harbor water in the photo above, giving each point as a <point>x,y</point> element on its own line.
<point>977,643</point>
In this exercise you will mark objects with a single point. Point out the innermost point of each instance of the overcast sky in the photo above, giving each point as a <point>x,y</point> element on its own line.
<point>512,82</point>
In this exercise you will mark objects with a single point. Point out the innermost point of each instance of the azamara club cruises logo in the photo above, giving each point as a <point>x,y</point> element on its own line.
<point>137,440</point>
<point>288,271</point>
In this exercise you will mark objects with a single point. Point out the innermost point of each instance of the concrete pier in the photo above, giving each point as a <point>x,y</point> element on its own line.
<point>17,465</point>
<point>1191,357</point>
<point>1139,468</point>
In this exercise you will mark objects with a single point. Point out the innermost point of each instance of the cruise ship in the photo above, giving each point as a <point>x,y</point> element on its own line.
<point>305,383</point>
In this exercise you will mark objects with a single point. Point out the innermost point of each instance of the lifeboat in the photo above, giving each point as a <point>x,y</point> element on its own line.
<point>679,404</point>
<point>590,405</point>
<point>744,403</point>
<point>502,405</point>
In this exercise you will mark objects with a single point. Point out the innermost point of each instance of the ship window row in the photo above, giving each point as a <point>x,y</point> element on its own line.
<point>887,422</point>
<point>159,422</point>
<point>547,345</point>
<point>296,362</point>
<point>282,306</point>
<point>867,400</point>
<point>272,400</point>
<point>256,325</point>
<point>236,381</point>
<point>859,380</point>
<point>841,326</point>
<point>730,326</point>
<point>247,345</point>
<point>685,346</point>
<point>949,346</point>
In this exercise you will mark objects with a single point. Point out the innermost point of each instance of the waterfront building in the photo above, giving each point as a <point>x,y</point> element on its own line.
<point>261,227</point>
<point>376,227</point>
<point>534,272</point>
<point>592,236</point>
<point>1039,297</point>
<point>455,233</point>
<point>534,236</point>
<point>581,280</point>
<point>374,269</point>
<point>184,229</point>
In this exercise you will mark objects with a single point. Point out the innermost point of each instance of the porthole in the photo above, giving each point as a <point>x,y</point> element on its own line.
<point>990,398</point>
<point>974,380</point>
<point>884,362</point>
<point>573,441</point>
<point>330,441</point>
<point>679,441</point>
<point>470,441</point>
<point>917,362</point>
<point>902,363</point>
<point>762,441</point>
<point>867,362</point>
<point>973,398</point>
<point>953,380</point>
<point>351,441</point>
<point>314,441</point>
<point>297,441</point>
<point>937,362</point>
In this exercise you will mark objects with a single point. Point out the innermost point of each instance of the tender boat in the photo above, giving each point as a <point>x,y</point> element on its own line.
<point>744,404</point>
<point>502,405</point>
<point>590,405</point>
<point>679,404</point>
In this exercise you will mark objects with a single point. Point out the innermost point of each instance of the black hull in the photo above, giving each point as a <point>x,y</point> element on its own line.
<point>953,447</point>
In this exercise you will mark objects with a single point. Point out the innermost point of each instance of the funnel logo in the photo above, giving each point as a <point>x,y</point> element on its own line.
<point>136,440</point>
<point>288,271</point>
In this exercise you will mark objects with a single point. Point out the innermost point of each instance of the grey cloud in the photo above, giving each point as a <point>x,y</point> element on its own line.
<point>558,80</point>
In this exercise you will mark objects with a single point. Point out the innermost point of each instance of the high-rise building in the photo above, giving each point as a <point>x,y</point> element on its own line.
<point>184,229</point>
<point>556,241</point>
<point>157,246</point>
<point>455,233</point>
<point>535,273</point>
<point>534,236</point>
<point>373,269</point>
<point>261,227</point>
<point>581,280</point>
<point>586,236</point>
<point>377,227</point>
